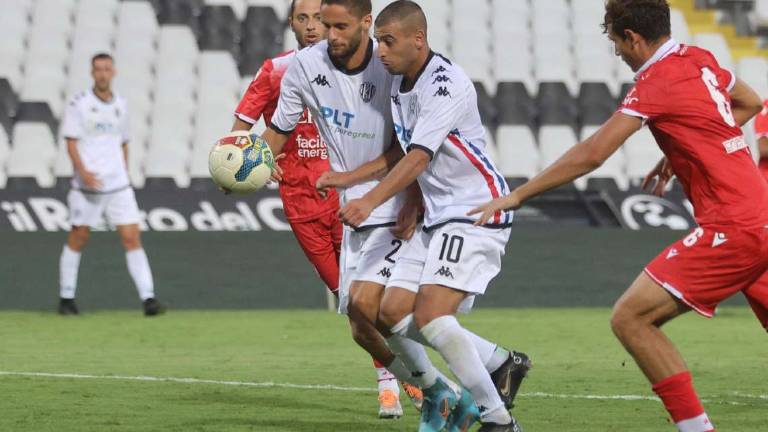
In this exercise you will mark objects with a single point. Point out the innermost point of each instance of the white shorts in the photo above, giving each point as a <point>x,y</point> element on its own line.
<point>456,255</point>
<point>88,209</point>
<point>366,256</point>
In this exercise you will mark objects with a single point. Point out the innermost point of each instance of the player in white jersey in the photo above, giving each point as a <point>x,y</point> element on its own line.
<point>450,261</point>
<point>95,128</point>
<point>345,86</point>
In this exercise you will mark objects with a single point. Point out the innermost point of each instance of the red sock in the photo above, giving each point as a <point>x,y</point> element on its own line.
<point>683,404</point>
<point>377,364</point>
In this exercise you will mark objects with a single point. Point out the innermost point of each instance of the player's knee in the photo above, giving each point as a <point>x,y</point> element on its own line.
<point>423,316</point>
<point>622,320</point>
<point>362,332</point>
<point>78,238</point>
<point>131,241</point>
<point>391,314</point>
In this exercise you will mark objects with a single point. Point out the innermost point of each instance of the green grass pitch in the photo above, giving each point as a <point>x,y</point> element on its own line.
<point>582,379</point>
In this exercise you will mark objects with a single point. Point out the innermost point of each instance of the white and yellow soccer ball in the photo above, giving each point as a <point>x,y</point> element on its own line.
<point>241,162</point>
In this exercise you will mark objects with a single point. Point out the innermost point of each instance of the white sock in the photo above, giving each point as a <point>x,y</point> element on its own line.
<point>69,264</point>
<point>414,357</point>
<point>486,350</point>
<point>387,380</point>
<point>700,423</point>
<point>138,267</point>
<point>401,372</point>
<point>456,347</point>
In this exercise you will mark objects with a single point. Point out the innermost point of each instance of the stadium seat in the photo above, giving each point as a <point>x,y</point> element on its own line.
<point>216,29</point>
<point>37,112</point>
<point>53,18</point>
<point>176,44</point>
<point>642,154</point>
<point>95,14</point>
<point>514,105</point>
<point>596,104</point>
<point>289,40</point>
<point>518,154</point>
<point>179,12</point>
<point>14,20</point>
<point>553,142</point>
<point>438,19</point>
<point>62,165</point>
<point>45,85</point>
<point>5,147</point>
<point>218,73</point>
<point>473,54</point>
<point>239,7</point>
<point>490,147</point>
<point>587,17</point>
<point>280,7</point>
<point>556,106</point>
<point>518,67</point>
<point>679,26</point>
<point>9,100</point>
<point>715,43</point>
<point>595,60</point>
<point>137,18</point>
<point>33,153</point>
<point>262,38</point>
<point>754,71</point>
<point>486,106</point>
<point>614,168</point>
<point>553,60</point>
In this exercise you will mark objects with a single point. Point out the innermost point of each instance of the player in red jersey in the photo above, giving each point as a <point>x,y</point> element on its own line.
<point>313,218</point>
<point>694,109</point>
<point>761,133</point>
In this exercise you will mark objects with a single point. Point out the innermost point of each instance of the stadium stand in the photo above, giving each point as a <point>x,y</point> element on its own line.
<point>544,72</point>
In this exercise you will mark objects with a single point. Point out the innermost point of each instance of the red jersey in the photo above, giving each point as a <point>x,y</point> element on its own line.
<point>761,131</point>
<point>306,155</point>
<point>683,95</point>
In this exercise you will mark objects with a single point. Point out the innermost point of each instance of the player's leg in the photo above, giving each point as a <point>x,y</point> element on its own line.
<point>757,295</point>
<point>316,240</point>
<point>434,315</point>
<point>636,321</point>
<point>123,211</point>
<point>84,211</point>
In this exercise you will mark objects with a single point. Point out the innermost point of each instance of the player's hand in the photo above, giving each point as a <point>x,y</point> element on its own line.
<point>661,174</point>
<point>90,180</point>
<point>407,220</point>
<point>277,172</point>
<point>487,210</point>
<point>328,180</point>
<point>355,212</point>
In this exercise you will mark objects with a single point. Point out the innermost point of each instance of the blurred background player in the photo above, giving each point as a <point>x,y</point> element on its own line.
<point>761,134</point>
<point>95,128</point>
<point>313,218</point>
<point>694,108</point>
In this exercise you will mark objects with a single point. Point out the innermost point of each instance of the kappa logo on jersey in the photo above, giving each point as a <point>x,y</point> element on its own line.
<point>385,272</point>
<point>321,81</point>
<point>367,91</point>
<point>396,100</point>
<point>631,98</point>
<point>444,272</point>
<point>438,70</point>
<point>718,239</point>
<point>442,79</point>
<point>443,91</point>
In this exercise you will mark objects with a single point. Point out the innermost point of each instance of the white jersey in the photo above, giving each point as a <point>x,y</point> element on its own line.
<point>351,110</point>
<point>440,116</point>
<point>100,129</point>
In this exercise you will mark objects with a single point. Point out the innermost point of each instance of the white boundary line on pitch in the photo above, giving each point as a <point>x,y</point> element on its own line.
<point>270,384</point>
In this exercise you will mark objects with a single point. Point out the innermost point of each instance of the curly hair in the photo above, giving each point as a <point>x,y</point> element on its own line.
<point>648,18</point>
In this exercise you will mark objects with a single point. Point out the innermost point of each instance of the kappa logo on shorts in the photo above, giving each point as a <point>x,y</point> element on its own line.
<point>444,272</point>
<point>386,272</point>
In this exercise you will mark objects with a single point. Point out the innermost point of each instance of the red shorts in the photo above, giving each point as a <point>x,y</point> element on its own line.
<point>712,264</point>
<point>320,239</point>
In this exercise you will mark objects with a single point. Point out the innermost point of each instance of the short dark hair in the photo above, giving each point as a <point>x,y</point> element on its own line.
<point>359,8</point>
<point>101,56</point>
<point>292,8</point>
<point>402,10</point>
<point>648,18</point>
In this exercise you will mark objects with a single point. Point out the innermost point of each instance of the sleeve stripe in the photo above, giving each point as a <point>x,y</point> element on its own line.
<point>426,150</point>
<point>633,113</point>
<point>278,130</point>
<point>733,80</point>
<point>245,118</point>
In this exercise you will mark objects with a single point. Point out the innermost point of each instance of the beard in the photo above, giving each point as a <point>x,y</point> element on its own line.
<point>348,52</point>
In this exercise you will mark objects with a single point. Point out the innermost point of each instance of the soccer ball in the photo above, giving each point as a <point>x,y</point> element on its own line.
<point>241,162</point>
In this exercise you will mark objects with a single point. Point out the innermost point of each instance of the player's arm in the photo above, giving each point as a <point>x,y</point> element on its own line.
<point>745,102</point>
<point>258,95</point>
<point>72,131</point>
<point>89,178</point>
<point>402,175</point>
<point>372,170</point>
<point>125,153</point>
<point>581,159</point>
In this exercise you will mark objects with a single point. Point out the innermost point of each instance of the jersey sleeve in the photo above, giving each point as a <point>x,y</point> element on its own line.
<point>761,122</point>
<point>441,108</point>
<point>290,106</point>
<point>645,100</point>
<point>72,124</point>
<point>257,95</point>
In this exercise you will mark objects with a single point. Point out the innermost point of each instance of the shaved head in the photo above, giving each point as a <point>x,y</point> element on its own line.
<point>406,13</point>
